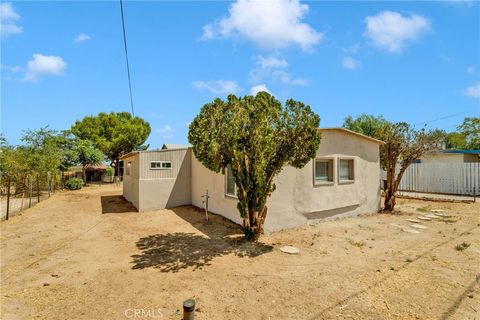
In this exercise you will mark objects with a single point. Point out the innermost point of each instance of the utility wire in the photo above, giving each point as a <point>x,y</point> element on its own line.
<point>126,57</point>
<point>442,118</point>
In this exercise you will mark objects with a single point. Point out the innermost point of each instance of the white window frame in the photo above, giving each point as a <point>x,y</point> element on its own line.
<point>229,195</point>
<point>322,182</point>
<point>340,181</point>
<point>127,168</point>
<point>162,162</point>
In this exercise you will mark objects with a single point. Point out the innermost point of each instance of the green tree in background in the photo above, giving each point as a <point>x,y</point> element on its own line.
<point>254,137</point>
<point>115,134</point>
<point>87,155</point>
<point>403,145</point>
<point>467,135</point>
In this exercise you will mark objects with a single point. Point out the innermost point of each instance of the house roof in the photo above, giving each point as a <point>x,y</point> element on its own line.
<point>353,133</point>
<point>169,146</point>
<point>455,151</point>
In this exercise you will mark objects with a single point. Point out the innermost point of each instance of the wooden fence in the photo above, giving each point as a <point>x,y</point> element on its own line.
<point>446,178</point>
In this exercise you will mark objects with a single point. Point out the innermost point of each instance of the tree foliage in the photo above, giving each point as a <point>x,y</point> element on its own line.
<point>467,135</point>
<point>87,155</point>
<point>255,137</point>
<point>115,134</point>
<point>403,145</point>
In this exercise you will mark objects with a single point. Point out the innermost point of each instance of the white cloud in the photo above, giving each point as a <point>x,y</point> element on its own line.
<point>392,31</point>
<point>44,65</point>
<point>473,91</point>
<point>272,68</point>
<point>258,88</point>
<point>269,24</point>
<point>8,20</point>
<point>350,63</point>
<point>218,87</point>
<point>82,37</point>
<point>166,131</point>
<point>472,69</point>
<point>12,69</point>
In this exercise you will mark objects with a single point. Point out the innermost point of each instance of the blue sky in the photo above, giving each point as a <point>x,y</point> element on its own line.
<point>409,61</point>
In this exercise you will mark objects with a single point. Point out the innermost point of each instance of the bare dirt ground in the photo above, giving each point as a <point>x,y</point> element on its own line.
<point>88,255</point>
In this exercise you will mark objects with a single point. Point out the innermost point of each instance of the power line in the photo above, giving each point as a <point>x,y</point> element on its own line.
<point>444,117</point>
<point>126,56</point>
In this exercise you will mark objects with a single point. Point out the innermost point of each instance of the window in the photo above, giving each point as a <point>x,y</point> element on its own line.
<point>323,171</point>
<point>127,168</point>
<point>230,186</point>
<point>345,170</point>
<point>160,165</point>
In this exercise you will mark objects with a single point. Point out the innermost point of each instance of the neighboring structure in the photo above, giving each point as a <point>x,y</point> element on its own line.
<point>451,156</point>
<point>343,179</point>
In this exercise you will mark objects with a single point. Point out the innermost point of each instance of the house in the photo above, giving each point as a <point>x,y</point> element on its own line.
<point>343,179</point>
<point>451,156</point>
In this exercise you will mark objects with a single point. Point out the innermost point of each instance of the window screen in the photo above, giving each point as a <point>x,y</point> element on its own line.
<point>324,170</point>
<point>230,183</point>
<point>345,169</point>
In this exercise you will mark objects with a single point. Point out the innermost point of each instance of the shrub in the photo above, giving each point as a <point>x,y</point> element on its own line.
<point>110,172</point>
<point>74,184</point>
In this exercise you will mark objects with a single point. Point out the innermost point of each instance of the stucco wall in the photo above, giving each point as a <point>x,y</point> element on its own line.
<point>296,200</point>
<point>443,158</point>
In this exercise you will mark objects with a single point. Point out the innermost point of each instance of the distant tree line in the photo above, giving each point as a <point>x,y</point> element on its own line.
<point>45,152</point>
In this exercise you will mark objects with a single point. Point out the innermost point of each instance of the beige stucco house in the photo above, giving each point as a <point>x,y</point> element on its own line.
<point>343,179</point>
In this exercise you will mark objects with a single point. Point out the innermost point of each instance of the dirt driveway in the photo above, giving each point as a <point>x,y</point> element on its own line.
<point>89,255</point>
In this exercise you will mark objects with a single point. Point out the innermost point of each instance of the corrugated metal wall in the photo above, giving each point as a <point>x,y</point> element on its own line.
<point>449,178</point>
<point>177,157</point>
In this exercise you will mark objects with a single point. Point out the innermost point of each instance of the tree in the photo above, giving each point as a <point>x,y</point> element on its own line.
<point>467,136</point>
<point>365,124</point>
<point>254,137</point>
<point>403,145</point>
<point>115,134</point>
<point>88,155</point>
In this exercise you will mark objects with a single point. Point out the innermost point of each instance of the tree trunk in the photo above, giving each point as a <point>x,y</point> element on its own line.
<point>253,223</point>
<point>84,175</point>
<point>389,203</point>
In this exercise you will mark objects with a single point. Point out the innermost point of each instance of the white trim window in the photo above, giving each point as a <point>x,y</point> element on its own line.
<point>127,168</point>
<point>323,171</point>
<point>230,186</point>
<point>346,170</point>
<point>160,165</point>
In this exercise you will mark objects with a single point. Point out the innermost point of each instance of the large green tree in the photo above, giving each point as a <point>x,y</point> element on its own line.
<point>403,145</point>
<point>115,134</point>
<point>255,137</point>
<point>467,135</point>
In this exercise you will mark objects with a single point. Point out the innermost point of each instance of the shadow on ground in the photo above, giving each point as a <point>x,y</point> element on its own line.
<point>116,204</point>
<point>173,252</point>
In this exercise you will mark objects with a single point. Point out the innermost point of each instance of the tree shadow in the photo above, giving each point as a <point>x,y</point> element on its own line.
<point>173,252</point>
<point>116,204</point>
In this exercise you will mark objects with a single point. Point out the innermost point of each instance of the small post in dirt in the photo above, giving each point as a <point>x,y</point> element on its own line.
<point>23,193</point>
<point>49,181</point>
<point>30,191</point>
<point>38,188</point>
<point>8,200</point>
<point>206,196</point>
<point>189,309</point>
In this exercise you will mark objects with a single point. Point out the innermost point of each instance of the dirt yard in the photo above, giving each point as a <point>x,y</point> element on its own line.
<point>88,255</point>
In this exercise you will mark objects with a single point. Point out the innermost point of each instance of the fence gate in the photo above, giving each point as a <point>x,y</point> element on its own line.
<point>448,178</point>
